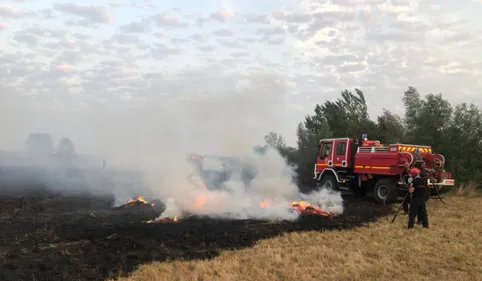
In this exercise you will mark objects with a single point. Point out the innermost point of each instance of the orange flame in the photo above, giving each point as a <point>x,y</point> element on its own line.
<point>300,206</point>
<point>205,199</point>
<point>306,207</point>
<point>201,200</point>
<point>163,220</point>
<point>137,199</point>
<point>265,203</point>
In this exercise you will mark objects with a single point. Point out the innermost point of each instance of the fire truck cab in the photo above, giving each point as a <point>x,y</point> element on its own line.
<point>362,166</point>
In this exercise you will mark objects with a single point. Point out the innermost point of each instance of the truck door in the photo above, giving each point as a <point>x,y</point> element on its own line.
<point>326,153</point>
<point>340,153</point>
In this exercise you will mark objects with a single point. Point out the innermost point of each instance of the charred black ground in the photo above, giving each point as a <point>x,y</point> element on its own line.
<point>51,237</point>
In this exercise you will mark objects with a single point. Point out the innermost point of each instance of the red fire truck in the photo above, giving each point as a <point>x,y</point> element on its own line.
<point>362,166</point>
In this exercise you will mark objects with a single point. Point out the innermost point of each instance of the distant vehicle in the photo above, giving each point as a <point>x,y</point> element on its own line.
<point>362,166</point>
<point>216,170</point>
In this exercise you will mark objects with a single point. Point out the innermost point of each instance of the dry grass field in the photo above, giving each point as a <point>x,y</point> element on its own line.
<point>450,250</point>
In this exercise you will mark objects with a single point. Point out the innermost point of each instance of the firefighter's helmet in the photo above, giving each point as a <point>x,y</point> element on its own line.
<point>414,171</point>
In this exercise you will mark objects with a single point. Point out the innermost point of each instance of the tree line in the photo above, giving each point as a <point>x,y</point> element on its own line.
<point>455,131</point>
<point>42,150</point>
<point>43,143</point>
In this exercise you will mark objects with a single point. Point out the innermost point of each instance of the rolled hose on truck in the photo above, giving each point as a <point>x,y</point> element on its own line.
<point>435,190</point>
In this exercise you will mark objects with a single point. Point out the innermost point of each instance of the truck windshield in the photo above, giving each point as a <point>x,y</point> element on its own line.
<point>326,150</point>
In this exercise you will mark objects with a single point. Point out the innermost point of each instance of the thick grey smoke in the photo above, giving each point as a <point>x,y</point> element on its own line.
<point>146,142</point>
<point>271,184</point>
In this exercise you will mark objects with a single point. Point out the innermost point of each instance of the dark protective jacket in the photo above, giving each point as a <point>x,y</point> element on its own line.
<point>421,188</point>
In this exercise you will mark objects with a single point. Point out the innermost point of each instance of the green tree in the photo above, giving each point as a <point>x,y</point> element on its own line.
<point>277,141</point>
<point>426,119</point>
<point>413,105</point>
<point>391,128</point>
<point>348,116</point>
<point>274,140</point>
<point>461,143</point>
<point>309,136</point>
<point>65,147</point>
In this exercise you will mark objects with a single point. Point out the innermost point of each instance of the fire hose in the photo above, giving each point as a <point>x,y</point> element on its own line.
<point>438,194</point>
<point>400,207</point>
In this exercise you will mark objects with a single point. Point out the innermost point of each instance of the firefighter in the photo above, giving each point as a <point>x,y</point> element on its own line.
<point>418,193</point>
<point>406,203</point>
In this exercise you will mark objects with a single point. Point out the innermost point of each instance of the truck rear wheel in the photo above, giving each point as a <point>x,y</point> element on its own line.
<point>329,181</point>
<point>384,191</point>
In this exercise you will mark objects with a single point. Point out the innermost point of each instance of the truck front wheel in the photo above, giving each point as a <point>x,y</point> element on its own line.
<point>384,191</point>
<point>329,181</point>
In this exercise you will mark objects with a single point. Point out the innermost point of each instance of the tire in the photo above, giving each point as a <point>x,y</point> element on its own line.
<point>329,181</point>
<point>384,191</point>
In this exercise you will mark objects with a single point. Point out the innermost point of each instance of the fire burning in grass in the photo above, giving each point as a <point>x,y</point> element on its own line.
<point>164,220</point>
<point>305,207</point>
<point>265,203</point>
<point>137,199</point>
<point>301,207</point>
<point>240,203</point>
<point>255,186</point>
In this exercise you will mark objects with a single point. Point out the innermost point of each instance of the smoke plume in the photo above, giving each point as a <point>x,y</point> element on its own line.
<point>146,143</point>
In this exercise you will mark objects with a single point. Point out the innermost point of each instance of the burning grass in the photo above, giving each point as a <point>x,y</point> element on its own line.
<point>300,207</point>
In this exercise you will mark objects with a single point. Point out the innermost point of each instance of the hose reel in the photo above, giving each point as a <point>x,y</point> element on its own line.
<point>418,160</point>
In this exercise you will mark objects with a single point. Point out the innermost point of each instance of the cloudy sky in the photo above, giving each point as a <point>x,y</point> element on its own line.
<point>63,65</point>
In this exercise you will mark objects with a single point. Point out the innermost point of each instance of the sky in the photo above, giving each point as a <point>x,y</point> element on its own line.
<point>70,68</point>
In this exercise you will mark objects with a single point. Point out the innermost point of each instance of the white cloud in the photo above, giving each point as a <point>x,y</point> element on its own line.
<point>69,56</point>
<point>90,13</point>
<point>13,12</point>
